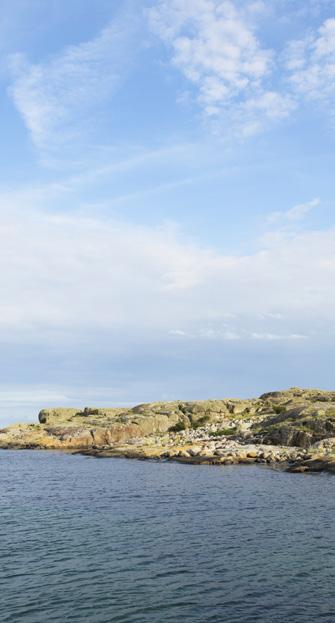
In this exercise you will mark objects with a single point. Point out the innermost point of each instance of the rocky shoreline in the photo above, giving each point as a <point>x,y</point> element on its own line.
<point>292,430</point>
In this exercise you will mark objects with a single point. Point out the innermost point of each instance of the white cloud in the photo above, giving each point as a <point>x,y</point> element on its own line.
<point>235,334</point>
<point>215,46</point>
<point>277,336</point>
<point>237,81</point>
<point>311,63</point>
<point>241,85</point>
<point>69,277</point>
<point>272,316</point>
<point>101,267</point>
<point>55,96</point>
<point>257,113</point>
<point>295,214</point>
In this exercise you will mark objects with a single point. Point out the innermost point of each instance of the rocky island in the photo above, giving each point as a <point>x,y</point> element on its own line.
<point>292,429</point>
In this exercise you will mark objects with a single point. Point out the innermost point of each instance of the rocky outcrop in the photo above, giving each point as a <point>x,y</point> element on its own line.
<point>302,417</point>
<point>314,463</point>
<point>284,427</point>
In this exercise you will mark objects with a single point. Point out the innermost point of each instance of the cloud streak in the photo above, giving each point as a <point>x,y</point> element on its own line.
<point>55,96</point>
<point>295,214</point>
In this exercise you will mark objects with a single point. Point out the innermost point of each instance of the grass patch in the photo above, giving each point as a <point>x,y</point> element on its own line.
<point>224,432</point>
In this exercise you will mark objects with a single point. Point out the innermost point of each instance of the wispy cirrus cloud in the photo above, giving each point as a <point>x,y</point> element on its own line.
<point>56,96</point>
<point>295,214</point>
<point>233,335</point>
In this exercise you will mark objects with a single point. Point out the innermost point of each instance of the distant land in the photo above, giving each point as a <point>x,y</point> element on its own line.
<point>292,429</point>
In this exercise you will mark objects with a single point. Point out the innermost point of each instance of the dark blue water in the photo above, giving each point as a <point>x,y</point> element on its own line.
<point>107,541</point>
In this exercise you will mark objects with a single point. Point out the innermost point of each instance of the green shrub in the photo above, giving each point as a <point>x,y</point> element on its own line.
<point>279,409</point>
<point>177,428</point>
<point>200,422</point>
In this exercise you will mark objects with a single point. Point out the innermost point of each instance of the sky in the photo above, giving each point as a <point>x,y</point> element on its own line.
<point>166,200</point>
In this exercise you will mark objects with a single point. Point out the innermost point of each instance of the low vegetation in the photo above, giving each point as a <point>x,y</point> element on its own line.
<point>224,432</point>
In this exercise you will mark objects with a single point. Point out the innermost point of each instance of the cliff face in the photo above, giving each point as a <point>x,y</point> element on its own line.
<point>295,417</point>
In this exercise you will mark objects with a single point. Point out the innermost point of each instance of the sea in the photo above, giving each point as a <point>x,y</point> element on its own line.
<point>127,541</point>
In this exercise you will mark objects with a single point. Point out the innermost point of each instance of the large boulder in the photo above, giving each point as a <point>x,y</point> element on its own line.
<point>53,416</point>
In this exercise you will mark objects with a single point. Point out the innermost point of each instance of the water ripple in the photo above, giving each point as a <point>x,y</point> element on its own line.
<point>135,542</point>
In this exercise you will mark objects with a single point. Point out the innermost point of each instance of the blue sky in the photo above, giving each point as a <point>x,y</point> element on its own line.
<point>166,200</point>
